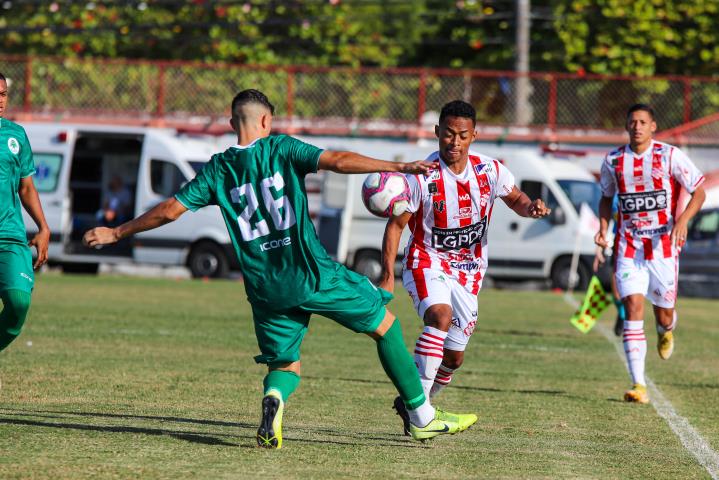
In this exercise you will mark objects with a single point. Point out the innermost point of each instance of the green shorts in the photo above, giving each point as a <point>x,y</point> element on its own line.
<point>350,300</point>
<point>16,267</point>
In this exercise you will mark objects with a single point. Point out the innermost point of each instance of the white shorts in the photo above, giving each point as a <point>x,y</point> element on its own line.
<point>655,279</point>
<point>431,287</point>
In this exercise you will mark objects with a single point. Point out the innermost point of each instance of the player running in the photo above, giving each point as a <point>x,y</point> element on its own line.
<point>16,189</point>
<point>259,187</point>
<point>647,176</point>
<point>445,260</point>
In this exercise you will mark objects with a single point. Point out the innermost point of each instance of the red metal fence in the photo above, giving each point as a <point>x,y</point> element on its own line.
<point>401,102</point>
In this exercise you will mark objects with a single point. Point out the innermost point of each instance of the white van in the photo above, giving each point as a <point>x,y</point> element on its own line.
<point>519,248</point>
<point>75,165</point>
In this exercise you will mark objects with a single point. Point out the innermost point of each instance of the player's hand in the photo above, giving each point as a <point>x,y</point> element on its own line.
<point>601,240</point>
<point>387,283</point>
<point>40,241</point>
<point>421,166</point>
<point>537,209</point>
<point>599,259</point>
<point>100,236</point>
<point>679,234</point>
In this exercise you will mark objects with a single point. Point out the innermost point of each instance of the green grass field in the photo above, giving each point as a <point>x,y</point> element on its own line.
<point>122,378</point>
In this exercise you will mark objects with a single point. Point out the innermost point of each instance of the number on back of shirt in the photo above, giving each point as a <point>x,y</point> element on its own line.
<point>279,209</point>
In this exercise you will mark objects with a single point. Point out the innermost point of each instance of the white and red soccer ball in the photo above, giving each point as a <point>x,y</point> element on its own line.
<point>385,194</point>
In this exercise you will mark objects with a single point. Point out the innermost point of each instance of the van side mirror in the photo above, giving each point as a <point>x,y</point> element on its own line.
<point>557,217</point>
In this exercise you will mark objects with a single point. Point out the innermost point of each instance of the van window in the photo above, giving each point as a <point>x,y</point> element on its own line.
<point>535,190</point>
<point>705,226</point>
<point>165,178</point>
<point>48,167</point>
<point>582,191</point>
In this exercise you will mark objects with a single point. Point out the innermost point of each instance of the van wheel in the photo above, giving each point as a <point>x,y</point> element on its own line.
<point>207,259</point>
<point>80,268</point>
<point>560,274</point>
<point>369,264</point>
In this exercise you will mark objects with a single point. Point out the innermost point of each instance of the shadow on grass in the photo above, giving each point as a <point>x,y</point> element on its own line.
<point>187,436</point>
<point>195,437</point>
<point>524,333</point>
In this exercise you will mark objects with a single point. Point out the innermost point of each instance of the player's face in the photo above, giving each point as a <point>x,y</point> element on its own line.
<point>455,135</point>
<point>3,96</point>
<point>640,127</point>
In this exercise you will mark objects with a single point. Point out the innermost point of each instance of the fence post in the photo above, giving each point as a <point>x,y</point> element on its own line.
<point>27,94</point>
<point>160,111</point>
<point>552,107</point>
<point>687,100</point>
<point>421,97</point>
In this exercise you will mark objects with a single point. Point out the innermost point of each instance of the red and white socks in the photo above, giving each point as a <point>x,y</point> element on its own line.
<point>635,348</point>
<point>428,353</point>
<point>441,380</point>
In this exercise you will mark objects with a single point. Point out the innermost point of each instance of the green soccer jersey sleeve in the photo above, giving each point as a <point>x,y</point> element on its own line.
<point>27,164</point>
<point>304,157</point>
<point>200,191</point>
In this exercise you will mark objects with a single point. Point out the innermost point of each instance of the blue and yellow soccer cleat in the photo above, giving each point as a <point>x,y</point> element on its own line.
<point>269,435</point>
<point>462,420</point>
<point>665,345</point>
<point>637,394</point>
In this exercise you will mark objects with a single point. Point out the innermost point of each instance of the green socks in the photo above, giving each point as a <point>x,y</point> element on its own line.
<point>399,366</point>
<point>16,304</point>
<point>281,381</point>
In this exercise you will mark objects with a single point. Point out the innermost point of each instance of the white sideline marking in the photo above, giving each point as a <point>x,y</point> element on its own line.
<point>693,442</point>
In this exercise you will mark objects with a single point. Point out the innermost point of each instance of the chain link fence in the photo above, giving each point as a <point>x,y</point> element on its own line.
<point>388,102</point>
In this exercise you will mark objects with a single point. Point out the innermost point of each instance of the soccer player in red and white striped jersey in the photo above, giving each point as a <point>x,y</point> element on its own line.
<point>446,258</point>
<point>647,176</point>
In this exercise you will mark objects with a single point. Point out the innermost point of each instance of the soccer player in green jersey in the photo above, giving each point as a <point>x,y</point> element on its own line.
<point>259,186</point>
<point>16,189</point>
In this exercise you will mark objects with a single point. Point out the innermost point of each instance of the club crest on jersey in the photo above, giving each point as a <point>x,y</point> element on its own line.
<point>13,145</point>
<point>478,168</point>
<point>438,205</point>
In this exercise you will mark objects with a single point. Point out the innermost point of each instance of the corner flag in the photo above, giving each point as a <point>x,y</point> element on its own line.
<point>595,302</point>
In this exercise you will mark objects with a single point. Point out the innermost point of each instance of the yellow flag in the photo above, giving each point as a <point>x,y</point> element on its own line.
<point>595,302</point>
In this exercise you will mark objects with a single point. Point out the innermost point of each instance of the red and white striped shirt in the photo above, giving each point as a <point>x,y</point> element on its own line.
<point>450,217</point>
<point>648,188</point>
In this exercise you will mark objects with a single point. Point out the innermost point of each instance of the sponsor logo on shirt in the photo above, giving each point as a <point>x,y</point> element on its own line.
<point>464,197</point>
<point>468,267</point>
<point>469,329</point>
<point>26,276</point>
<point>439,206</point>
<point>455,323</point>
<point>13,145</point>
<point>650,232</point>
<point>643,201</point>
<point>432,188</point>
<point>464,212</point>
<point>455,238</point>
<point>478,168</point>
<point>434,174</point>
<point>272,244</point>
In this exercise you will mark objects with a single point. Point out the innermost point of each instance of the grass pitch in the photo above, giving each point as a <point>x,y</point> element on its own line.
<point>122,378</point>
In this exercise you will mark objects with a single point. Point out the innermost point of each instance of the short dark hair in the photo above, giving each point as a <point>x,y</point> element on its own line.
<point>248,96</point>
<point>641,107</point>
<point>458,108</point>
<point>2,77</point>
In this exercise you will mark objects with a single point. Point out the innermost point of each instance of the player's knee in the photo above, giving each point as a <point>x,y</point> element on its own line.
<point>439,317</point>
<point>453,359</point>
<point>16,304</point>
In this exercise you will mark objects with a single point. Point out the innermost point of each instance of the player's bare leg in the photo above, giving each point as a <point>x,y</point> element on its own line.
<point>666,321</point>
<point>451,361</point>
<point>635,347</point>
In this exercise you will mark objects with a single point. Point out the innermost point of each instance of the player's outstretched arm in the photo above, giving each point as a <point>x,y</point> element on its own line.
<point>31,201</point>
<point>165,212</point>
<point>350,162</point>
<point>390,245</point>
<point>518,201</point>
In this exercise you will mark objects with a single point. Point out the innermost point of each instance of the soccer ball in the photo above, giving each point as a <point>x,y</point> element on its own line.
<point>385,194</point>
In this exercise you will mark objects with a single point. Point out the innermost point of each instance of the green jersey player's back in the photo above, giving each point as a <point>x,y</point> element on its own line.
<point>261,192</point>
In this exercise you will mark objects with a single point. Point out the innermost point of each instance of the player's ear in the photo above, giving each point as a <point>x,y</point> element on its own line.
<point>436,130</point>
<point>232,124</point>
<point>654,126</point>
<point>474,134</point>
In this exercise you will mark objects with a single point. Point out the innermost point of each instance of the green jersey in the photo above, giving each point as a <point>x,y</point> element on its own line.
<point>260,190</point>
<point>15,163</point>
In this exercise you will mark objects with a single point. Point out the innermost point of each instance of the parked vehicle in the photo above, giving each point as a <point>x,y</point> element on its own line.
<point>75,165</point>
<point>519,248</point>
<point>699,260</point>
